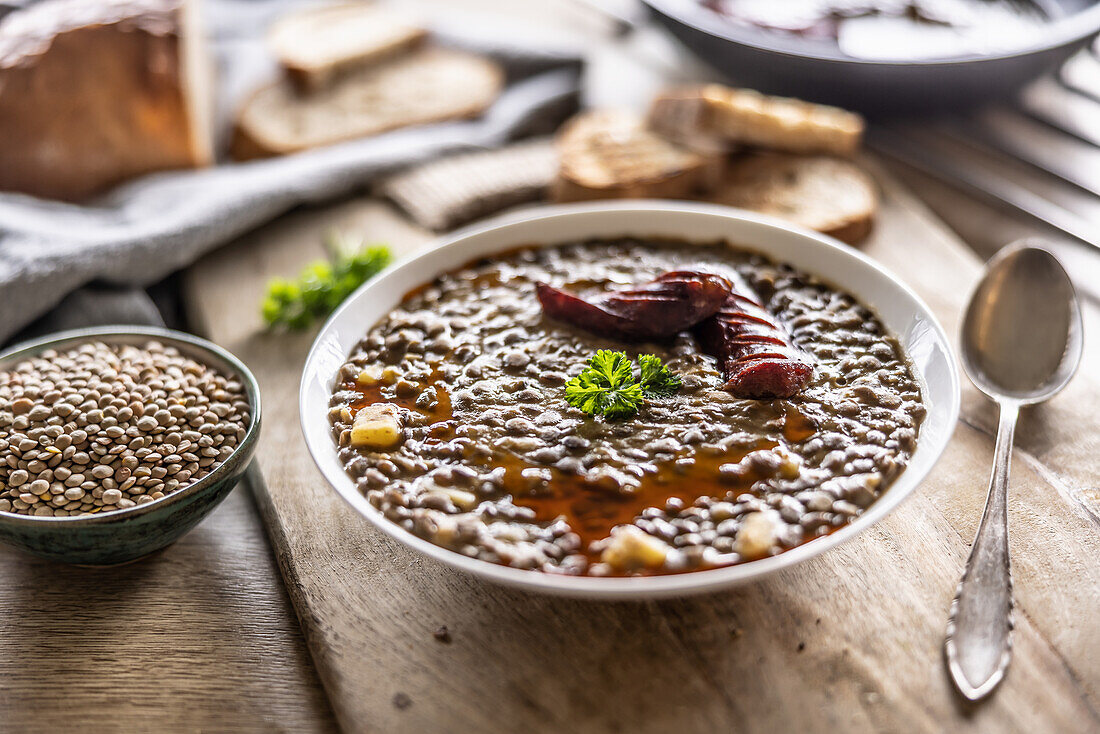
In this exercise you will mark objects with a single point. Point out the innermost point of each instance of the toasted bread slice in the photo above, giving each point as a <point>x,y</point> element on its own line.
<point>446,192</point>
<point>782,123</point>
<point>830,195</point>
<point>751,118</point>
<point>610,154</point>
<point>429,85</point>
<point>317,44</point>
<point>683,116</point>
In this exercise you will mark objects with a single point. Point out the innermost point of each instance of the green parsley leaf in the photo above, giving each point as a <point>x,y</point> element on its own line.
<point>607,385</point>
<point>322,286</point>
<point>655,378</point>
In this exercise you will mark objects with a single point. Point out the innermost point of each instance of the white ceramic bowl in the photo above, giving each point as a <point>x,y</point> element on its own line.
<point>903,313</point>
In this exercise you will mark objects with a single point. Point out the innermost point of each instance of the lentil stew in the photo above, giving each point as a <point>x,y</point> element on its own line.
<point>450,417</point>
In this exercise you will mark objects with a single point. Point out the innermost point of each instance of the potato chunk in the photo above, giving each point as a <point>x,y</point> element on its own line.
<point>375,375</point>
<point>757,535</point>
<point>631,548</point>
<point>377,426</point>
<point>370,376</point>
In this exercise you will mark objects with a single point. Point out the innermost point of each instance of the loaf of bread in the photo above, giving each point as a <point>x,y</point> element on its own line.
<point>317,44</point>
<point>610,154</point>
<point>94,92</point>
<point>830,195</point>
<point>747,117</point>
<point>428,85</point>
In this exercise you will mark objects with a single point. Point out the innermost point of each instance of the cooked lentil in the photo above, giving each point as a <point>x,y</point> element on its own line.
<point>101,427</point>
<point>495,465</point>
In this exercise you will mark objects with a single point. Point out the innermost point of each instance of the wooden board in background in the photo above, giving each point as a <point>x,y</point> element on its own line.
<point>851,639</point>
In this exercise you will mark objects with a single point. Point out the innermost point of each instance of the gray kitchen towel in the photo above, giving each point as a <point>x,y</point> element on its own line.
<point>144,230</point>
<point>95,306</point>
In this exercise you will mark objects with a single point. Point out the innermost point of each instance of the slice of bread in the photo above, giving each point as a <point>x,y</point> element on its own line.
<point>830,195</point>
<point>429,85</point>
<point>682,115</point>
<point>444,193</point>
<point>317,44</point>
<point>95,92</point>
<point>610,154</point>
<point>751,118</point>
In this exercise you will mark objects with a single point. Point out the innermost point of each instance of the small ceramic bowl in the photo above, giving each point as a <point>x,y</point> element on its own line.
<point>126,535</point>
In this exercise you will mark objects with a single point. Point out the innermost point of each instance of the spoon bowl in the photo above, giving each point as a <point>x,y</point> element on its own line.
<point>1021,336</point>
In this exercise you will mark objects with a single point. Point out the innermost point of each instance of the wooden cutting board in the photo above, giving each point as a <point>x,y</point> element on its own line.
<point>850,639</point>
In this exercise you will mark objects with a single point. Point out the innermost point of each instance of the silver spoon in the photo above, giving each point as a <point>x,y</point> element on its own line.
<point>1021,344</point>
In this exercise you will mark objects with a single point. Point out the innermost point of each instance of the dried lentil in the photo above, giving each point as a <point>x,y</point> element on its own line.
<point>86,422</point>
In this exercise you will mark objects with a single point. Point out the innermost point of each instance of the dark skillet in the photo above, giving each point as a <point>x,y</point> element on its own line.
<point>818,71</point>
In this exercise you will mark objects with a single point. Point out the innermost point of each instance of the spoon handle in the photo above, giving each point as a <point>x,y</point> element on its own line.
<point>980,624</point>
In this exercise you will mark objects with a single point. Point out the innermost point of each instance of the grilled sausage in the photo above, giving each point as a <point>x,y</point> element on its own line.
<point>754,351</point>
<point>660,309</point>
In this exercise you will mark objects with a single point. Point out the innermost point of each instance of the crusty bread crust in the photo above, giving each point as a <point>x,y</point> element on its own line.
<point>828,194</point>
<point>610,154</point>
<point>318,44</point>
<point>855,232</point>
<point>243,147</point>
<point>747,117</point>
<point>426,86</point>
<point>94,92</point>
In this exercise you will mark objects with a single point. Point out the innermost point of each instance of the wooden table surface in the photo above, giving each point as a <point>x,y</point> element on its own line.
<point>203,636</point>
<point>852,638</point>
<point>198,637</point>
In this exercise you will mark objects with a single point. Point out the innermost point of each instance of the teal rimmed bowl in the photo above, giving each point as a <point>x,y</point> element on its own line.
<point>126,535</point>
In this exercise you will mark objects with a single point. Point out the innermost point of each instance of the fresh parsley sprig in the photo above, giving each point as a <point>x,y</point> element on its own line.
<point>608,387</point>
<point>323,285</point>
<point>656,379</point>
